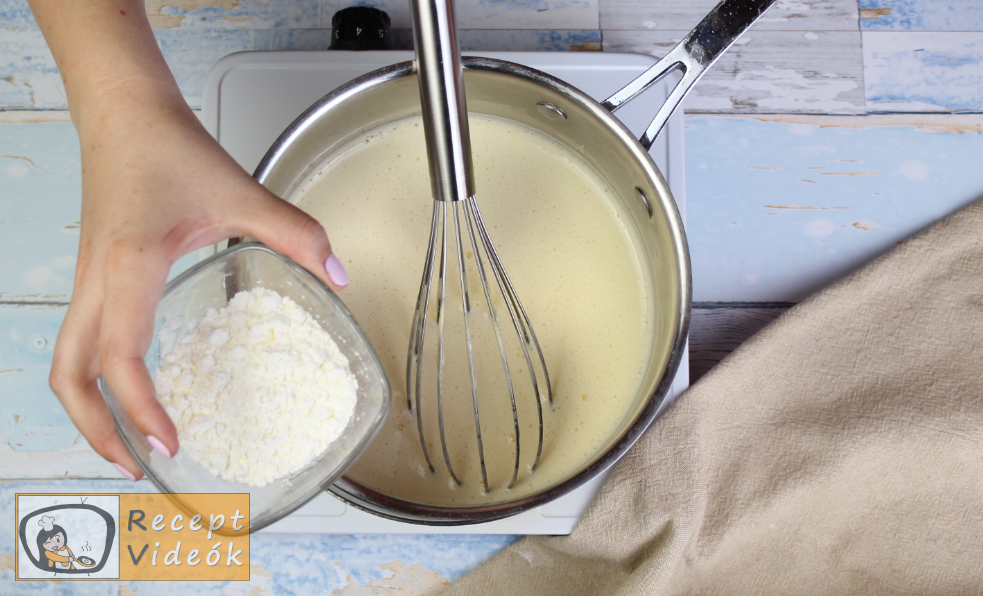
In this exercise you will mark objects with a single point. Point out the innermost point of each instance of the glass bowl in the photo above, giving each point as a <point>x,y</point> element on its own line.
<point>211,284</point>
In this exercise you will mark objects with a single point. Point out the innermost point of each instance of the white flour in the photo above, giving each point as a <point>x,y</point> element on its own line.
<point>257,390</point>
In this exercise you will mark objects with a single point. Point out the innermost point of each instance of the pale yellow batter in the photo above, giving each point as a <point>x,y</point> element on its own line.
<point>568,253</point>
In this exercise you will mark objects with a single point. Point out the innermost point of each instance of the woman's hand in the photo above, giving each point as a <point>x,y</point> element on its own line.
<point>155,186</point>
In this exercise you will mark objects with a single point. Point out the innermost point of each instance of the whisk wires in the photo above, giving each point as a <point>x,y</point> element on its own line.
<point>447,228</point>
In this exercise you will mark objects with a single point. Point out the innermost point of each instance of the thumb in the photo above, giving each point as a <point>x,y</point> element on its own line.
<point>285,228</point>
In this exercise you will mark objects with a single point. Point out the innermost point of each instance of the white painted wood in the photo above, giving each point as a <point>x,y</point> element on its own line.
<point>768,71</point>
<point>33,116</point>
<point>39,116</point>
<point>75,461</point>
<point>951,123</point>
<point>717,330</point>
<point>672,15</point>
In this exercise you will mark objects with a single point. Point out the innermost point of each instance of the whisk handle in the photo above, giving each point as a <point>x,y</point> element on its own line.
<point>445,112</point>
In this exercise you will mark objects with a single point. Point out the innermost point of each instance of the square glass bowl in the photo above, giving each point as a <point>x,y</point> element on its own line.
<point>211,284</point>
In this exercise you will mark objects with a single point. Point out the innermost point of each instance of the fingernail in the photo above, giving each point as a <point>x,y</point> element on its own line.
<point>129,476</point>
<point>159,446</point>
<point>336,272</point>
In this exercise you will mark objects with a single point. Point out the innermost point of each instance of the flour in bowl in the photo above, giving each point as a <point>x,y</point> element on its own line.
<point>257,390</point>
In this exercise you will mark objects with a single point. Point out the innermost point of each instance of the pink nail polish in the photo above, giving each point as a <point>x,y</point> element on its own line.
<point>129,476</point>
<point>336,272</point>
<point>159,446</point>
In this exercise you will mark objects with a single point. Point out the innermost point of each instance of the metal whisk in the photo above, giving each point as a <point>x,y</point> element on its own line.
<point>459,241</point>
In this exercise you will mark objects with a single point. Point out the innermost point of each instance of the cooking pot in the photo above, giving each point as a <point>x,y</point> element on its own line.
<point>535,99</point>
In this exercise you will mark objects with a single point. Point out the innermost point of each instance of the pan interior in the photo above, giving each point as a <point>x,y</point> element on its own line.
<point>599,147</point>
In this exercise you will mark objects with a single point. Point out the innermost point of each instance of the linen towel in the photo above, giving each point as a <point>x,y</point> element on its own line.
<point>838,451</point>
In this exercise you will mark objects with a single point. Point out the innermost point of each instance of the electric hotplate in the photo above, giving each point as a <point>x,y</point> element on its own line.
<point>251,97</point>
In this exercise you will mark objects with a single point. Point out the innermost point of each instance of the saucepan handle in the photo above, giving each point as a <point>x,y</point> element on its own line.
<point>693,56</point>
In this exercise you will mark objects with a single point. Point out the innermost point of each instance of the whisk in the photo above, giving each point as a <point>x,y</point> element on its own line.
<point>460,241</point>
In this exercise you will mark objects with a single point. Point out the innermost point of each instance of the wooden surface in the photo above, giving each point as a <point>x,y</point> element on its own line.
<point>830,133</point>
<point>718,328</point>
<point>801,57</point>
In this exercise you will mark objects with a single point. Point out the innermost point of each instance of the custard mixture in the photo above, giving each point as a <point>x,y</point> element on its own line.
<point>568,252</point>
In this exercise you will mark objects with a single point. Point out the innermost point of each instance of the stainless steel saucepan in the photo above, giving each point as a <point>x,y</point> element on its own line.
<point>589,128</point>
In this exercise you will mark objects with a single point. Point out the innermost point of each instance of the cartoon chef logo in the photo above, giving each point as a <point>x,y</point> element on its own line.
<point>67,539</point>
<point>53,547</point>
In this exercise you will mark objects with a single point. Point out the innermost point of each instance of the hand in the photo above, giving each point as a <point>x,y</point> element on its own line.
<point>155,186</point>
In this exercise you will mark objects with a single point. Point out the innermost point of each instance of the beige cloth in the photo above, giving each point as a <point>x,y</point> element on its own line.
<point>838,451</point>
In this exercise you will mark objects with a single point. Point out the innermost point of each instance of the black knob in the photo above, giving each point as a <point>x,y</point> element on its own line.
<point>360,28</point>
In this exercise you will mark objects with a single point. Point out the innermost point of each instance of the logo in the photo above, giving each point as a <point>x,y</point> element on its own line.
<point>133,537</point>
<point>67,537</point>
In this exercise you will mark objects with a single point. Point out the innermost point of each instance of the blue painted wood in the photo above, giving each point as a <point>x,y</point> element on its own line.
<point>15,15</point>
<point>489,40</point>
<point>40,208</point>
<point>471,40</point>
<point>672,15</point>
<point>921,15</point>
<point>28,75</point>
<point>490,14</point>
<point>233,14</point>
<point>193,35</point>
<point>742,249</point>
<point>923,71</point>
<point>280,563</point>
<point>29,78</point>
<point>778,210</point>
<point>31,417</point>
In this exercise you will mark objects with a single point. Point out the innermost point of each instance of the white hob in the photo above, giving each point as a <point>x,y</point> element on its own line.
<point>251,97</point>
